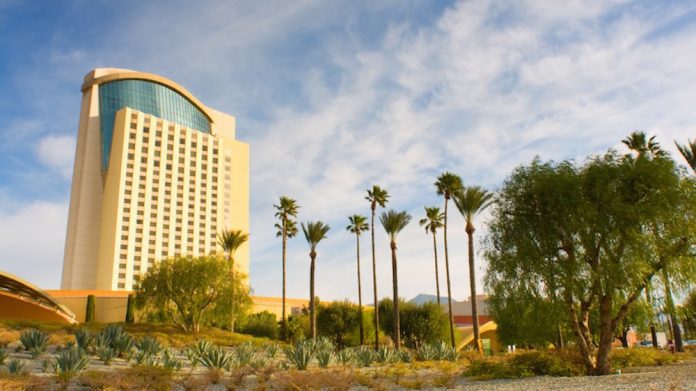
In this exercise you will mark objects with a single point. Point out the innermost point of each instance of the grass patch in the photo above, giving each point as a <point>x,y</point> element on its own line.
<point>134,378</point>
<point>320,379</point>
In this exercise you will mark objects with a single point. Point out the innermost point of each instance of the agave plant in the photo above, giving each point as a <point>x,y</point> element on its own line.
<point>105,354</point>
<point>405,356</point>
<point>215,358</point>
<point>144,358</point>
<point>325,357</point>
<point>385,355</point>
<point>365,356</point>
<point>271,350</point>
<point>301,354</point>
<point>426,352</point>
<point>245,354</point>
<point>444,351</point>
<point>345,356</point>
<point>84,339</point>
<point>200,348</point>
<point>170,361</point>
<point>70,361</point>
<point>35,341</point>
<point>3,356</point>
<point>149,345</point>
<point>15,367</point>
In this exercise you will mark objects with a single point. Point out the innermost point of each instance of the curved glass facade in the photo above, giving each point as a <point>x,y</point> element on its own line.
<point>147,97</point>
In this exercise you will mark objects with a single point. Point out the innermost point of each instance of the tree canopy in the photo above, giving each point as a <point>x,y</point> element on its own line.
<point>590,236</point>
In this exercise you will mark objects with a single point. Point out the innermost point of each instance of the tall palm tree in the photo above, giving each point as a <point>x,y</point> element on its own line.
<point>376,196</point>
<point>357,225</point>
<point>432,221</point>
<point>642,145</point>
<point>688,151</point>
<point>471,201</point>
<point>230,241</point>
<point>446,185</point>
<point>393,222</point>
<point>286,210</point>
<point>314,232</point>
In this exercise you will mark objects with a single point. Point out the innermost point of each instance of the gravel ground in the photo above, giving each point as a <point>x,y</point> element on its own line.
<point>672,377</point>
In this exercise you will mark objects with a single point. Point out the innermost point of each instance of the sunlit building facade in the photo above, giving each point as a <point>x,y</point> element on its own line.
<point>156,174</point>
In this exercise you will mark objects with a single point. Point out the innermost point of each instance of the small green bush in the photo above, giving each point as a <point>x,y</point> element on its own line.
<point>488,369</point>
<point>262,324</point>
<point>34,340</point>
<point>523,364</point>
<point>69,362</point>
<point>640,357</point>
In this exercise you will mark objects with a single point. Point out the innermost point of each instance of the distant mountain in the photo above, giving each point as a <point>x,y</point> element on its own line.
<point>425,298</point>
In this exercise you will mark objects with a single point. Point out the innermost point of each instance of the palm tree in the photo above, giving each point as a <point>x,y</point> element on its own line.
<point>376,196</point>
<point>230,241</point>
<point>642,145</point>
<point>471,201</point>
<point>432,221</point>
<point>286,210</point>
<point>393,222</point>
<point>688,151</point>
<point>446,185</point>
<point>314,232</point>
<point>357,225</point>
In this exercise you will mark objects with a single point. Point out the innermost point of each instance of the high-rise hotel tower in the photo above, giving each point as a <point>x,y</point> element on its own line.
<point>157,174</point>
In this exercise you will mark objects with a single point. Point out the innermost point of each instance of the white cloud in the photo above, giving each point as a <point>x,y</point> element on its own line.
<point>32,239</point>
<point>57,152</point>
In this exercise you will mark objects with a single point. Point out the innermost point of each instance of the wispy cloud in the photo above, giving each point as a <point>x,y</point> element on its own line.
<point>336,97</point>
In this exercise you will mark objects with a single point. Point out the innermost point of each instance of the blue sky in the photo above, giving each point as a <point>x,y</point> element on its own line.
<point>336,96</point>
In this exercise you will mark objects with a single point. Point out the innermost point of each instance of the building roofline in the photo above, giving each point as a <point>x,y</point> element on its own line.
<point>125,74</point>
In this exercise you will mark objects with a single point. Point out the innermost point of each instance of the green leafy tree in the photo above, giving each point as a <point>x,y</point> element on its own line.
<point>230,241</point>
<point>393,223</point>
<point>358,224</point>
<point>582,235</point>
<point>446,185</point>
<point>338,321</point>
<point>688,151</point>
<point>638,317</point>
<point>471,201</point>
<point>377,197</point>
<point>419,324</point>
<point>432,222</point>
<point>286,212</point>
<point>314,232</point>
<point>190,291</point>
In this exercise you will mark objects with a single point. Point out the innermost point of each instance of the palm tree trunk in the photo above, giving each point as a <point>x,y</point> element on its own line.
<point>396,331</point>
<point>449,286</point>
<point>284,324</point>
<point>231,261</point>
<point>312,309</point>
<point>437,277</point>
<point>360,310</point>
<point>374,278</point>
<point>472,283</point>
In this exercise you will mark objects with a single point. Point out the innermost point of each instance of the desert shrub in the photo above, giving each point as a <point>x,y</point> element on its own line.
<point>541,363</point>
<point>15,367</point>
<point>419,324</point>
<point>365,356</point>
<point>623,358</point>
<point>35,341</point>
<point>215,358</point>
<point>339,321</point>
<point>262,324</point>
<point>170,361</point>
<point>70,361</point>
<point>488,369</point>
<point>301,353</point>
<point>84,339</point>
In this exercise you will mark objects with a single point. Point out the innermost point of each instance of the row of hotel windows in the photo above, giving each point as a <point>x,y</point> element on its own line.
<point>167,202</point>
